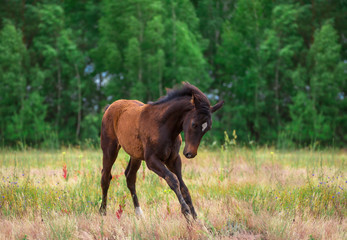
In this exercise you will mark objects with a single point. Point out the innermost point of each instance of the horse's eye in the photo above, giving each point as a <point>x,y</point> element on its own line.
<point>194,125</point>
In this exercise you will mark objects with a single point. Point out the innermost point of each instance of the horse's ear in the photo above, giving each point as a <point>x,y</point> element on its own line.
<point>217,106</point>
<point>168,90</point>
<point>196,100</point>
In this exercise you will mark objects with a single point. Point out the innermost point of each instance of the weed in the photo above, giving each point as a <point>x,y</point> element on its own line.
<point>237,192</point>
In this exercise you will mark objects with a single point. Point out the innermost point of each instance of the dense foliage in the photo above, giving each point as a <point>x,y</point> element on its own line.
<point>279,66</point>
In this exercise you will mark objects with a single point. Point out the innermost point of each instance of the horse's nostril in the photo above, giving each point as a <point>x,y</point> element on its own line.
<point>189,155</point>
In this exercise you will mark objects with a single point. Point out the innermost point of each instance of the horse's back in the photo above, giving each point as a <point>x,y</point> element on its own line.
<point>121,122</point>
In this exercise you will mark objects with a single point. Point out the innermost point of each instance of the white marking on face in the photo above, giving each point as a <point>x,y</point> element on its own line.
<point>204,126</point>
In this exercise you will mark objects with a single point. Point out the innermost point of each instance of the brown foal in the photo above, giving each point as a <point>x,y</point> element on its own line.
<point>151,132</point>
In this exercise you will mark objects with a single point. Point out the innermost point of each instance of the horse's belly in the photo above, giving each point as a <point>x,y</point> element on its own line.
<point>128,135</point>
<point>133,148</point>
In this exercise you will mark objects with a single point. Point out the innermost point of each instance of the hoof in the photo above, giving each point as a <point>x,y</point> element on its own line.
<point>185,210</point>
<point>189,218</point>
<point>199,226</point>
<point>139,213</point>
<point>194,214</point>
<point>102,211</point>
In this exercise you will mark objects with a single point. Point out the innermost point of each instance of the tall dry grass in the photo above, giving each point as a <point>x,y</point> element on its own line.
<point>239,193</point>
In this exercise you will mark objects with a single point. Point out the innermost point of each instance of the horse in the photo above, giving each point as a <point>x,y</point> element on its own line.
<point>151,132</point>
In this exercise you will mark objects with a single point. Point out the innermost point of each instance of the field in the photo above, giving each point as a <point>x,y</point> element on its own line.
<point>239,193</point>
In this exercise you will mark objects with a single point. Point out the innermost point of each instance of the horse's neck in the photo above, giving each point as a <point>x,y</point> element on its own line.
<point>174,113</point>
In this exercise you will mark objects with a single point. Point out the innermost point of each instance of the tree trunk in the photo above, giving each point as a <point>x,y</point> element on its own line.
<point>277,108</point>
<point>173,37</point>
<point>59,93</point>
<point>101,79</point>
<point>160,83</point>
<point>79,102</point>
<point>140,66</point>
<point>256,88</point>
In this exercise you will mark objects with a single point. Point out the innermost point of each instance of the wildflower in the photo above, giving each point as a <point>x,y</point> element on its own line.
<point>272,153</point>
<point>235,136</point>
<point>313,174</point>
<point>333,197</point>
<point>65,171</point>
<point>65,211</point>
<point>119,212</point>
<point>116,176</point>
<point>338,193</point>
<point>63,153</point>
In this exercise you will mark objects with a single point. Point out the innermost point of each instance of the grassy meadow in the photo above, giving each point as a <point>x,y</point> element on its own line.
<point>239,193</point>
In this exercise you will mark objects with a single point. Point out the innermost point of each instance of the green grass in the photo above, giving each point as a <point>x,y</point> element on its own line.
<point>256,193</point>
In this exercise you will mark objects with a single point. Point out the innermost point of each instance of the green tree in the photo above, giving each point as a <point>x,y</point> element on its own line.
<point>22,108</point>
<point>317,108</point>
<point>184,46</point>
<point>124,55</point>
<point>35,128</point>
<point>279,56</point>
<point>155,64</point>
<point>13,83</point>
<point>277,65</point>
<point>55,52</point>
<point>241,82</point>
<point>212,16</point>
<point>326,80</point>
<point>159,46</point>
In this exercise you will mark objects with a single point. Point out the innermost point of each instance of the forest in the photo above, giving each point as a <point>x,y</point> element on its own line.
<point>280,66</point>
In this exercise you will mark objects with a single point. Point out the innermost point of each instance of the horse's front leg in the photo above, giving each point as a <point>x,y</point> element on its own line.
<point>176,167</point>
<point>155,165</point>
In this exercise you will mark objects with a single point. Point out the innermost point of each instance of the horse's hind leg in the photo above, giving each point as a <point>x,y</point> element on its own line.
<point>110,148</point>
<point>130,174</point>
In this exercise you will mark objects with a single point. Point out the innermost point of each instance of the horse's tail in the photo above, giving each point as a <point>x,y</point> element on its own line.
<point>106,107</point>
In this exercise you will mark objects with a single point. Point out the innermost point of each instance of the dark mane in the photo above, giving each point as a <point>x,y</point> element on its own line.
<point>185,91</point>
<point>202,104</point>
<point>106,107</point>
